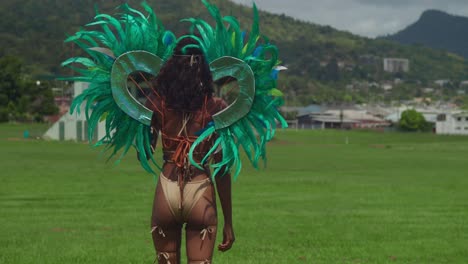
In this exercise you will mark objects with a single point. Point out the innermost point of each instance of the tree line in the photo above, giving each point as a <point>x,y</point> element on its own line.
<point>22,98</point>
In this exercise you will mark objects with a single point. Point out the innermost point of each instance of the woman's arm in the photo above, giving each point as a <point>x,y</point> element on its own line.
<point>223,186</point>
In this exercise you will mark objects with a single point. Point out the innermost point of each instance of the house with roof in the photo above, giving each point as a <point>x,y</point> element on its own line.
<point>350,117</point>
<point>455,123</point>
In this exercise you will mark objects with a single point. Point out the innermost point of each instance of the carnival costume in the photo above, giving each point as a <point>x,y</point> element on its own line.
<point>138,45</point>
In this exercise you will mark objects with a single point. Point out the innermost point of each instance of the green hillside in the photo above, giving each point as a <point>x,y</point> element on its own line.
<point>438,30</point>
<point>321,60</point>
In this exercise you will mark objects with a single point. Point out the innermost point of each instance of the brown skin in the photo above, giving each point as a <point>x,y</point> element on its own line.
<point>223,185</point>
<point>182,105</point>
<point>167,237</point>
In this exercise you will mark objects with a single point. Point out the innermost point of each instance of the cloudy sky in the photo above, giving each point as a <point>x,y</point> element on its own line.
<point>362,17</point>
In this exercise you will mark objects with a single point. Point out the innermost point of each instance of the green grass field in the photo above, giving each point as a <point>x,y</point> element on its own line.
<point>382,198</point>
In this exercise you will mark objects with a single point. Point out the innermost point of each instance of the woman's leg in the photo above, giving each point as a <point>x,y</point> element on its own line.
<point>201,229</point>
<point>166,231</point>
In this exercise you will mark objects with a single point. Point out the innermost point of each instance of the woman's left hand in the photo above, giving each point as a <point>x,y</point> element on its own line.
<point>228,238</point>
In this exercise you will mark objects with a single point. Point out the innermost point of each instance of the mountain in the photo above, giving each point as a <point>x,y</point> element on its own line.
<point>322,61</point>
<point>437,29</point>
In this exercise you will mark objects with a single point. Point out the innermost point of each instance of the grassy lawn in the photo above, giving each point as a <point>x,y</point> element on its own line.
<point>381,198</point>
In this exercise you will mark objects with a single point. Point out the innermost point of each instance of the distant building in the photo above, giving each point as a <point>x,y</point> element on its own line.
<point>323,118</point>
<point>452,123</point>
<point>369,59</point>
<point>324,121</point>
<point>396,65</point>
<point>74,126</point>
<point>430,114</point>
<point>341,64</point>
<point>428,90</point>
<point>442,83</point>
<point>422,100</point>
<point>387,86</point>
<point>378,111</point>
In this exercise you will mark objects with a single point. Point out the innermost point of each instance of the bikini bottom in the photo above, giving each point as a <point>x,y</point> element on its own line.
<point>192,192</point>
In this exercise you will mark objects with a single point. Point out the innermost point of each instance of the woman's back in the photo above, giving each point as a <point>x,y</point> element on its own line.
<point>179,129</point>
<point>183,105</point>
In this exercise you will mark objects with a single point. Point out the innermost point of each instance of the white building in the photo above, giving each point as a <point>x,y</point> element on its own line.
<point>428,90</point>
<point>74,126</point>
<point>442,83</point>
<point>387,86</point>
<point>452,124</point>
<point>430,114</point>
<point>396,65</point>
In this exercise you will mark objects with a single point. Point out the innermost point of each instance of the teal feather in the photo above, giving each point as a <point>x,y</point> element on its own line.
<point>235,36</point>
<point>99,37</point>
<point>200,45</point>
<point>147,147</point>
<point>212,150</point>
<point>132,30</point>
<point>254,33</point>
<point>128,10</point>
<point>110,37</point>
<point>84,61</point>
<point>140,144</point>
<point>205,31</point>
<point>205,135</point>
<point>252,132</point>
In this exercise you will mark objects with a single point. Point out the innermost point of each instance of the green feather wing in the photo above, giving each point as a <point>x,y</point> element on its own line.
<point>104,40</point>
<point>252,130</point>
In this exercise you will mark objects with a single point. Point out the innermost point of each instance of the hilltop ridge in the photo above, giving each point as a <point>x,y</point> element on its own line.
<point>322,61</point>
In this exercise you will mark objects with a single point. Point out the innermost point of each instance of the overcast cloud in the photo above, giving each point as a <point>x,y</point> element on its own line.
<point>369,18</point>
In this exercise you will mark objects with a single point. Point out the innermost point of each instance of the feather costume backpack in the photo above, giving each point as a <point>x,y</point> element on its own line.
<point>134,42</point>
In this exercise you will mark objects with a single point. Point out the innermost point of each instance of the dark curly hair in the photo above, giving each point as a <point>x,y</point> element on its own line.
<point>185,80</point>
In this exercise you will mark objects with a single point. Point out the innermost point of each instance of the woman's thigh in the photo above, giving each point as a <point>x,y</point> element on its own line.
<point>201,227</point>
<point>166,231</point>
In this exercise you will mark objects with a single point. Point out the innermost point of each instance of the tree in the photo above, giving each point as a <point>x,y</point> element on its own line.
<point>412,120</point>
<point>21,99</point>
<point>10,88</point>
